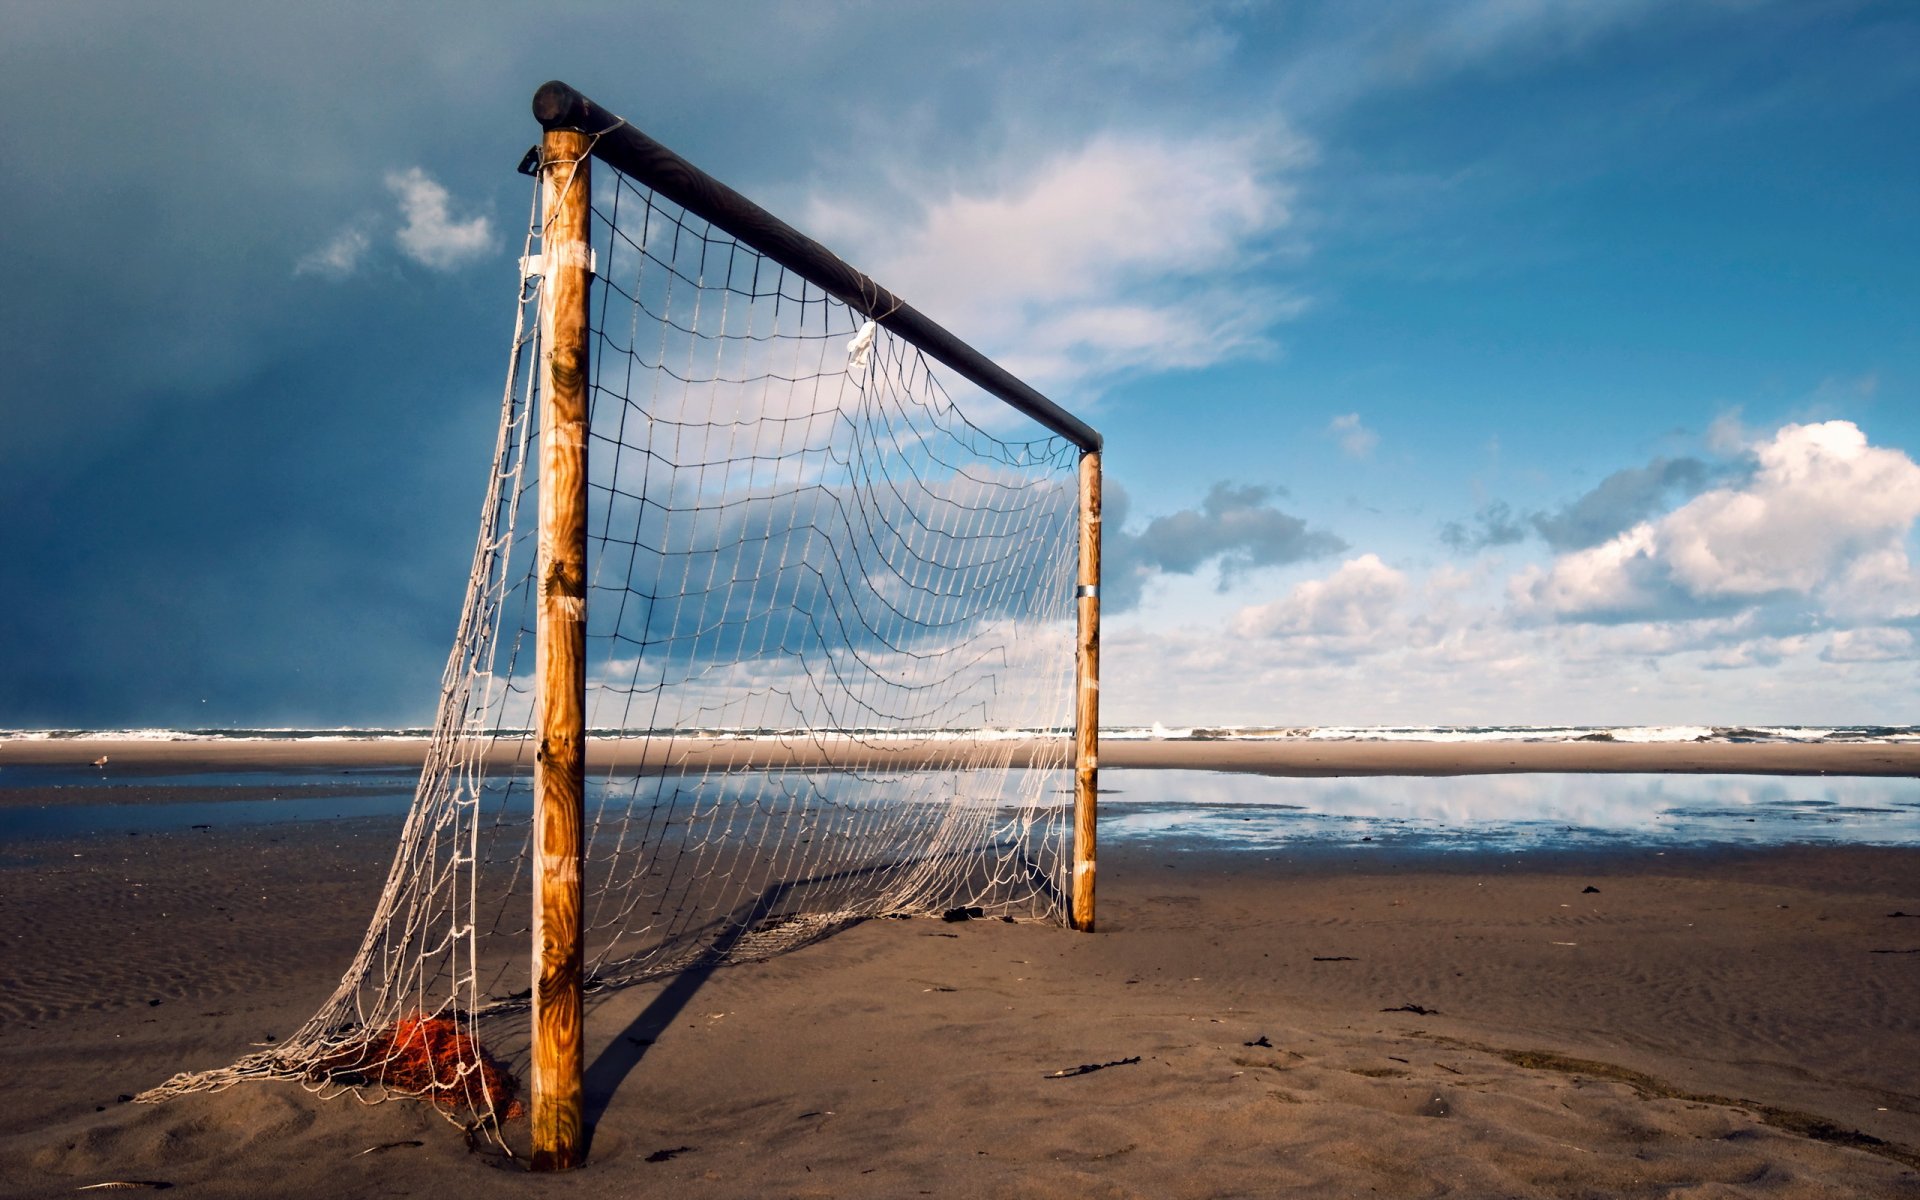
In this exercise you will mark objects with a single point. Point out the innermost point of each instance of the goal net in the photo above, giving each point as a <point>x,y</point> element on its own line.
<point>830,662</point>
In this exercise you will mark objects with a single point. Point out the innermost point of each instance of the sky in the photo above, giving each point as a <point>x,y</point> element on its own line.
<point>1488,362</point>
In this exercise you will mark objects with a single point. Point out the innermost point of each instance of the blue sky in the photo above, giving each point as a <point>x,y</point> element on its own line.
<point>1473,363</point>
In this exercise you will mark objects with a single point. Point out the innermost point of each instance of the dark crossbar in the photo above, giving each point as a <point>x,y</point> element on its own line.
<point>620,145</point>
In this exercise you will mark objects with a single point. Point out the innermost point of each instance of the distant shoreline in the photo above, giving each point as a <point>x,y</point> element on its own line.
<point>1305,757</point>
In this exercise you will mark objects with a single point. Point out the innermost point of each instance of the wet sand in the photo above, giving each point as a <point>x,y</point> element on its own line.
<point>1297,757</point>
<point>1702,1024</point>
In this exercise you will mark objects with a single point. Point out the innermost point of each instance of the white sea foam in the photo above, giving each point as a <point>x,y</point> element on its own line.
<point>97,735</point>
<point>1154,733</point>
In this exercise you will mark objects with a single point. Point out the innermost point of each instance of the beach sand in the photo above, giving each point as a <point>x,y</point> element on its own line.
<point>1277,756</point>
<point>1704,1024</point>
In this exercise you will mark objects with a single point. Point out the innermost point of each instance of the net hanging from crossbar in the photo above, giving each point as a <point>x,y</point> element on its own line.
<point>830,664</point>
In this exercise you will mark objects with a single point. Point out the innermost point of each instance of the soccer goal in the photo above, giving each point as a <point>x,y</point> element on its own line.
<point>783,613</point>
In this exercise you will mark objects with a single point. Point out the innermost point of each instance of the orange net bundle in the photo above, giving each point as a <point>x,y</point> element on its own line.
<point>433,1058</point>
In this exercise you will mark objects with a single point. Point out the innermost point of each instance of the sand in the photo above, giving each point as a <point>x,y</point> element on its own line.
<point>1295,757</point>
<point>1704,1024</point>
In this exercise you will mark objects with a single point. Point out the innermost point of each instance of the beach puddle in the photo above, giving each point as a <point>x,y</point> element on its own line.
<point>1221,810</point>
<point>1507,812</point>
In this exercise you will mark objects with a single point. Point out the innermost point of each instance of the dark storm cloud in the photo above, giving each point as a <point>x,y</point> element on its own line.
<point>1236,528</point>
<point>275,553</point>
<point>246,428</point>
<point>235,495</point>
<point>229,480</point>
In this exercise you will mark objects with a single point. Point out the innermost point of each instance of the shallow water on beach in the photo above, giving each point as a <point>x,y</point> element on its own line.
<point>1216,810</point>
<point>1507,812</point>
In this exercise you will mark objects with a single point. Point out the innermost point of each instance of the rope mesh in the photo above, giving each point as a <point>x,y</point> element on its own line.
<point>829,609</point>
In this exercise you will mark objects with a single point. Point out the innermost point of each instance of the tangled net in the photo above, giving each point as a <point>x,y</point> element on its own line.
<point>431,1058</point>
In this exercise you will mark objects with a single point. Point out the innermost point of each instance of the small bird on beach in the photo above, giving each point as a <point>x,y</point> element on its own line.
<point>101,761</point>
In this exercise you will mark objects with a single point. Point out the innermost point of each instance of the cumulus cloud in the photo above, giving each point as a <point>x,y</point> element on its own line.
<point>1792,571</point>
<point>1822,497</point>
<point>1356,601</point>
<point>1724,609</point>
<point>430,235</point>
<point>339,258</point>
<point>1822,507</point>
<point>1356,440</point>
<point>1087,265</point>
<point>1619,579</point>
<point>1236,528</point>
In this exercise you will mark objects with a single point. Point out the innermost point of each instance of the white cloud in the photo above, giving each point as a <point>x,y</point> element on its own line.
<point>1825,513</point>
<point>1108,339</point>
<point>339,258</point>
<point>1798,582</point>
<point>1098,212</point>
<point>1874,644</point>
<point>428,234</point>
<point>1822,496</point>
<point>1419,661</point>
<point>1614,577</point>
<point>1878,586</point>
<point>1356,601</point>
<point>431,237</point>
<point>1754,652</point>
<point>1356,440</point>
<point>1090,264</point>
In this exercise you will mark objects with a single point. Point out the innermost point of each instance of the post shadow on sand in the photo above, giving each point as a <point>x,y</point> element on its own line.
<point>623,1053</point>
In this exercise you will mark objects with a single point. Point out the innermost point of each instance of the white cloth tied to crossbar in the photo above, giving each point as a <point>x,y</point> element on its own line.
<point>860,349</point>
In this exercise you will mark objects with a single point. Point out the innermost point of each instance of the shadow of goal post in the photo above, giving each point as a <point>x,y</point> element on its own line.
<point>577,131</point>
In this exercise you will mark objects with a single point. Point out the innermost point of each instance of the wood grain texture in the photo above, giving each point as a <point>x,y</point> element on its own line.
<point>560,765</point>
<point>1086,717</point>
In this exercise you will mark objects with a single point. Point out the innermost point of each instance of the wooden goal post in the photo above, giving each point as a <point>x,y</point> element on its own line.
<point>577,131</point>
